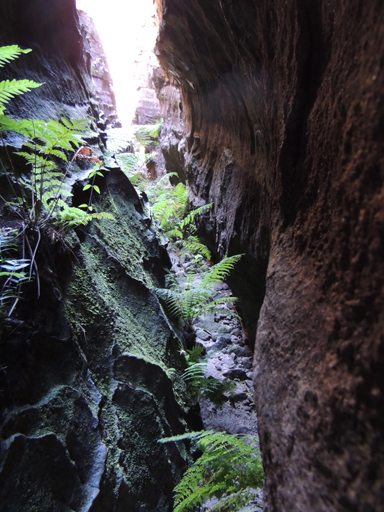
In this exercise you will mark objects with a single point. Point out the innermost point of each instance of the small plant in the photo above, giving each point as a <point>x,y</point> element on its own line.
<point>183,234</point>
<point>186,302</point>
<point>12,271</point>
<point>40,197</point>
<point>169,206</point>
<point>168,203</point>
<point>229,469</point>
<point>134,165</point>
<point>11,88</point>
<point>211,388</point>
<point>147,135</point>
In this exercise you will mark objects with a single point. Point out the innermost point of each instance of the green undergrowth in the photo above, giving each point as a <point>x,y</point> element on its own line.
<point>38,192</point>
<point>194,375</point>
<point>134,164</point>
<point>229,469</point>
<point>110,297</point>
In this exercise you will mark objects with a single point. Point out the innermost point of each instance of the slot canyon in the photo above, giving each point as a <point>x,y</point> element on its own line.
<point>273,112</point>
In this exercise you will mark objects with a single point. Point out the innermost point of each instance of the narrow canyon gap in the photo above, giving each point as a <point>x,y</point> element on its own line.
<point>282,107</point>
<point>283,104</point>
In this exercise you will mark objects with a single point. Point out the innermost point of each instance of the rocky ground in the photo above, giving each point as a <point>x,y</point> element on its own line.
<point>228,356</point>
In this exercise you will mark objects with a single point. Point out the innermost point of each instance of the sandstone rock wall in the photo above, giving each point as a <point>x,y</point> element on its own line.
<point>99,70</point>
<point>84,389</point>
<point>284,106</point>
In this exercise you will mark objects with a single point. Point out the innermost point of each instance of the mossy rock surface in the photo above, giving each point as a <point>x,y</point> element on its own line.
<point>86,393</point>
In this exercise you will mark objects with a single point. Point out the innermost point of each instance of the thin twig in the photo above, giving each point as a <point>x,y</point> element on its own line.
<point>33,261</point>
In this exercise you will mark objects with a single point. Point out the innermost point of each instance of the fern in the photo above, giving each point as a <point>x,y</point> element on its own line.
<point>199,384</point>
<point>146,135</point>
<point>229,468</point>
<point>9,53</point>
<point>134,165</point>
<point>45,191</point>
<point>188,301</point>
<point>218,273</point>
<point>168,203</point>
<point>47,141</point>
<point>192,245</point>
<point>190,218</point>
<point>193,355</point>
<point>72,217</point>
<point>11,88</point>
<point>12,272</point>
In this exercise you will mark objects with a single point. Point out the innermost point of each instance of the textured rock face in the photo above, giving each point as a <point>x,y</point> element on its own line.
<point>101,76</point>
<point>84,391</point>
<point>147,109</point>
<point>172,138</point>
<point>53,33</point>
<point>284,108</point>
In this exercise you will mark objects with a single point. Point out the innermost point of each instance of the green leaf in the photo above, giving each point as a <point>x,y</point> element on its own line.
<point>11,88</point>
<point>96,188</point>
<point>8,53</point>
<point>228,469</point>
<point>86,187</point>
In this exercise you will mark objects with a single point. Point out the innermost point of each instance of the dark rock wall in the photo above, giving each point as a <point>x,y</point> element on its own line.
<point>84,389</point>
<point>52,31</point>
<point>283,105</point>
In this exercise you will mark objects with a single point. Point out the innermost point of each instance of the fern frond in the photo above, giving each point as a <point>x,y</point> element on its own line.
<point>229,468</point>
<point>195,371</point>
<point>22,126</point>
<point>11,88</point>
<point>75,125</point>
<point>146,134</point>
<point>71,216</point>
<point>38,162</point>
<point>229,464</point>
<point>172,299</point>
<point>12,273</point>
<point>193,245</point>
<point>194,354</point>
<point>217,273</point>
<point>43,150</point>
<point>11,52</point>
<point>174,233</point>
<point>192,215</point>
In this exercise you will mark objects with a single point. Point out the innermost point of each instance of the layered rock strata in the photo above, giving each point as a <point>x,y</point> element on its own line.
<point>283,105</point>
